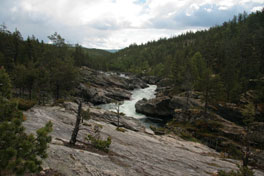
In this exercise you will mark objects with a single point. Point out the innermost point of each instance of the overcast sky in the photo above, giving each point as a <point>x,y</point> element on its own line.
<point>114,24</point>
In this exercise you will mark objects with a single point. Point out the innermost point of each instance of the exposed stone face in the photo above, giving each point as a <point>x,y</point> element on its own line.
<point>131,153</point>
<point>164,106</point>
<point>158,107</point>
<point>230,112</point>
<point>101,88</point>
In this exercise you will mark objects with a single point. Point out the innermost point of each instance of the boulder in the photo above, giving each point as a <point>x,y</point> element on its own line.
<point>157,107</point>
<point>163,107</point>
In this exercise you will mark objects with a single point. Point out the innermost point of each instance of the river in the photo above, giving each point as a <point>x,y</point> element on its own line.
<point>128,107</point>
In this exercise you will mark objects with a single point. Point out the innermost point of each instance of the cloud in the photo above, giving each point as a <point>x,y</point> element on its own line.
<point>118,23</point>
<point>258,8</point>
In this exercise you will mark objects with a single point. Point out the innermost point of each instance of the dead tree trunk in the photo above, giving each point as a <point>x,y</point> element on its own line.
<point>77,125</point>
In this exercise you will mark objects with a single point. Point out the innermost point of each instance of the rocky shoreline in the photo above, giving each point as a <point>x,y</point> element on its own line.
<point>137,151</point>
<point>102,87</point>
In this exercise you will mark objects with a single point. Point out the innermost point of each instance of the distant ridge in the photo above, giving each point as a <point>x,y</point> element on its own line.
<point>112,50</point>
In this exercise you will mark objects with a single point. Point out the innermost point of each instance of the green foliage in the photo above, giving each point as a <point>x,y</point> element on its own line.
<point>229,56</point>
<point>100,144</point>
<point>158,130</point>
<point>57,40</point>
<point>186,135</point>
<point>20,152</point>
<point>207,125</point>
<point>58,102</point>
<point>120,129</point>
<point>23,104</point>
<point>198,67</point>
<point>5,84</point>
<point>79,56</point>
<point>234,151</point>
<point>242,171</point>
<point>249,113</point>
<point>86,114</point>
<point>63,77</point>
<point>39,70</point>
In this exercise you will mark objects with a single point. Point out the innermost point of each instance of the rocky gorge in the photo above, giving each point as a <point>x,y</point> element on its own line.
<point>102,87</point>
<point>137,150</point>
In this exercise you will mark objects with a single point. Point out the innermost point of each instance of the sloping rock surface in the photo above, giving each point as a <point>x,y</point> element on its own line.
<point>102,87</point>
<point>131,153</point>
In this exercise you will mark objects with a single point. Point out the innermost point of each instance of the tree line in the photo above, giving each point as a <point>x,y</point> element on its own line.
<point>39,70</point>
<point>233,54</point>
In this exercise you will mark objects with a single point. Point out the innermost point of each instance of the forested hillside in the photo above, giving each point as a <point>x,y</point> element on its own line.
<point>233,51</point>
<point>39,70</point>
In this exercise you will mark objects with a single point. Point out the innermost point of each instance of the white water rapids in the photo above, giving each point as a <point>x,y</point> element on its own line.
<point>128,107</point>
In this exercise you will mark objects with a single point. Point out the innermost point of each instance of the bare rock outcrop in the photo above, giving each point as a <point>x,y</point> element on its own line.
<point>163,107</point>
<point>102,87</point>
<point>131,153</point>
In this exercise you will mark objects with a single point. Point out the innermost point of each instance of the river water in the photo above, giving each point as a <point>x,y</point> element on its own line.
<point>128,107</point>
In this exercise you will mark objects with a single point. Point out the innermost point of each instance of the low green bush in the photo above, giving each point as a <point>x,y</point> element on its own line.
<point>158,130</point>
<point>59,101</point>
<point>100,144</point>
<point>234,151</point>
<point>23,104</point>
<point>86,114</point>
<point>242,171</point>
<point>120,129</point>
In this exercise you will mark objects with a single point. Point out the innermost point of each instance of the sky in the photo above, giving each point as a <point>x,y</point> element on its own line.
<point>115,24</point>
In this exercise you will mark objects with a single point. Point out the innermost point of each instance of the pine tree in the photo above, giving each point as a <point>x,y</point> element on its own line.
<point>20,152</point>
<point>5,84</point>
<point>208,83</point>
<point>249,115</point>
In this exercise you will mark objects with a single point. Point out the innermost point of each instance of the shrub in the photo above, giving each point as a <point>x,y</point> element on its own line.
<point>100,144</point>
<point>234,151</point>
<point>158,130</point>
<point>242,171</point>
<point>207,125</point>
<point>86,114</point>
<point>186,135</point>
<point>120,129</point>
<point>59,101</point>
<point>23,104</point>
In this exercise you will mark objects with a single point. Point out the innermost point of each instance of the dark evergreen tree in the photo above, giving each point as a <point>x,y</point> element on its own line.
<point>5,84</point>
<point>19,152</point>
